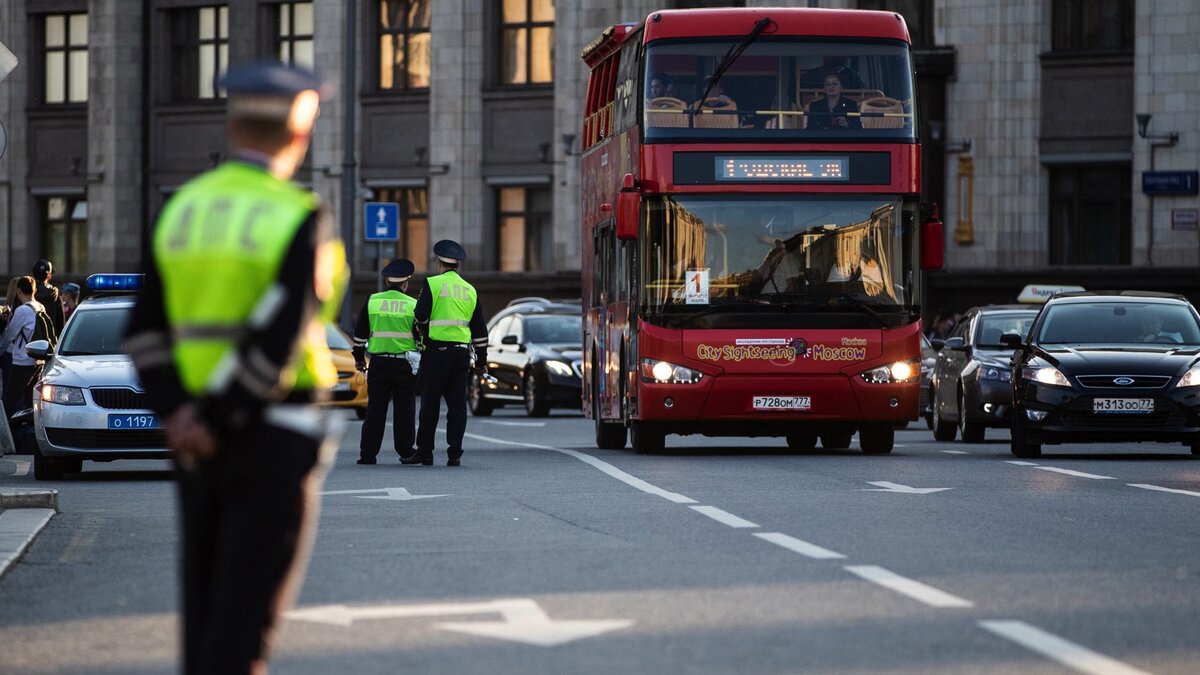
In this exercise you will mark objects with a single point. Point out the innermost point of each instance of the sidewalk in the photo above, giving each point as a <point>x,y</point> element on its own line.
<point>23,514</point>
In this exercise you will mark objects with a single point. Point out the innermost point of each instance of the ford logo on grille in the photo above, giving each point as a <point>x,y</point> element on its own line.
<point>1122,381</point>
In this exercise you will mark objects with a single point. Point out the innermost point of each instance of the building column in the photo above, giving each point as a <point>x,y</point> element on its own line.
<point>115,137</point>
<point>456,198</point>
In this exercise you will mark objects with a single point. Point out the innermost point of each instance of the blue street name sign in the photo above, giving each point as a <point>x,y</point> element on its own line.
<point>382,220</point>
<point>1170,182</point>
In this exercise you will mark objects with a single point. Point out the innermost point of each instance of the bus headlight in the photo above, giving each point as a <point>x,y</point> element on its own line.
<point>663,372</point>
<point>900,371</point>
<point>52,393</point>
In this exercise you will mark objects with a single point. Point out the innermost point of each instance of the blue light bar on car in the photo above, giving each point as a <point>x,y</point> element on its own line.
<point>114,282</point>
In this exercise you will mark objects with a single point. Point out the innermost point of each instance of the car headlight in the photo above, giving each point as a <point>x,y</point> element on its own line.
<point>1191,378</point>
<point>900,371</point>
<point>995,374</point>
<point>62,395</point>
<point>1045,375</point>
<point>559,368</point>
<point>663,372</point>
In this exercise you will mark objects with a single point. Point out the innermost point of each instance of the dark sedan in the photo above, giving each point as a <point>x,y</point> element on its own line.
<point>1107,367</point>
<point>534,358</point>
<point>971,386</point>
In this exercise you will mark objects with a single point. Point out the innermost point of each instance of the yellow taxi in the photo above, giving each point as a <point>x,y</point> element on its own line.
<point>351,388</point>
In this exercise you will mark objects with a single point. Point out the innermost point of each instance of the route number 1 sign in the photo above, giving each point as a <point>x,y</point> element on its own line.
<point>696,292</point>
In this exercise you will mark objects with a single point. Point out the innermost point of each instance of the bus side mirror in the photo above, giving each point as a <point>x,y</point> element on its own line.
<point>629,208</point>
<point>932,241</point>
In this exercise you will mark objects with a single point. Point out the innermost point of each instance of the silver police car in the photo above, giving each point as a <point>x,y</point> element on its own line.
<point>88,403</point>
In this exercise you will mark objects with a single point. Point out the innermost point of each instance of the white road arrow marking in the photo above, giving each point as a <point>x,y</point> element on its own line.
<point>393,493</point>
<point>523,620</point>
<point>885,486</point>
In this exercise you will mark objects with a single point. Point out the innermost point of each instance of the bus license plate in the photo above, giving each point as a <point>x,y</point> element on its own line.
<point>782,402</point>
<point>1128,406</point>
<point>133,422</point>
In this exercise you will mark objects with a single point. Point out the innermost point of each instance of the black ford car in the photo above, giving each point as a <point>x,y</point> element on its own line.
<point>1120,366</point>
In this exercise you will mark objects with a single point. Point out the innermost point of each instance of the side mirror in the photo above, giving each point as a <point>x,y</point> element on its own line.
<point>39,349</point>
<point>956,344</point>
<point>510,340</point>
<point>937,343</point>
<point>1011,340</point>
<point>932,241</point>
<point>629,209</point>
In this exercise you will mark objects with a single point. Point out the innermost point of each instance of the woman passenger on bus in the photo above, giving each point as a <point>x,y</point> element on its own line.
<point>831,112</point>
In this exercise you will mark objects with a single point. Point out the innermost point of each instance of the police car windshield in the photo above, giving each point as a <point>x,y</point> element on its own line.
<point>95,332</point>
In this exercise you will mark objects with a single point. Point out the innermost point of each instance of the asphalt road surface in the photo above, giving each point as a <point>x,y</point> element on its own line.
<point>542,554</point>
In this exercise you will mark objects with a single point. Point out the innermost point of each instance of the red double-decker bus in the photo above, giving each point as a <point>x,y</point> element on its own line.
<point>752,231</point>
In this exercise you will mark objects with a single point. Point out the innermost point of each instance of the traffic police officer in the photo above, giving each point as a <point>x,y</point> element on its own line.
<point>228,337</point>
<point>450,318</point>
<point>385,331</point>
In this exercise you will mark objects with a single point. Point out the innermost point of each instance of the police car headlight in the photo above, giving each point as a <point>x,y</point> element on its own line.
<point>995,374</point>
<point>900,371</point>
<point>62,395</point>
<point>1191,378</point>
<point>1045,375</point>
<point>663,372</point>
<point>559,368</point>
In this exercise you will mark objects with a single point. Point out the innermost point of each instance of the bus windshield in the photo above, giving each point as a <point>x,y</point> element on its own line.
<point>779,250</point>
<point>779,88</point>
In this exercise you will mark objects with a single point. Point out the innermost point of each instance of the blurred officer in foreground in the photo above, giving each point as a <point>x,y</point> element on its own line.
<point>47,294</point>
<point>450,319</point>
<point>385,331</point>
<point>228,337</point>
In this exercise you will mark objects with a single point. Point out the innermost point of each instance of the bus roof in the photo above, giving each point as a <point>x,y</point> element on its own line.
<point>726,21</point>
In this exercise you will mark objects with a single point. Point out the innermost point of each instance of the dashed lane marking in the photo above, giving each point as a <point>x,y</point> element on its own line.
<point>799,546</point>
<point>723,517</point>
<point>912,588</point>
<point>1051,646</point>
<point>1157,488</point>
<point>1055,469</point>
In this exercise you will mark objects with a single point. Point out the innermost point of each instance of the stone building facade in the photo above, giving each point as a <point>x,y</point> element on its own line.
<point>468,114</point>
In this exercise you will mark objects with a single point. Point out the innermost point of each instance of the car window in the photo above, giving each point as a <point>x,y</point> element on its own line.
<point>499,330</point>
<point>560,329</point>
<point>1119,323</point>
<point>335,338</point>
<point>94,332</point>
<point>992,326</point>
<point>961,329</point>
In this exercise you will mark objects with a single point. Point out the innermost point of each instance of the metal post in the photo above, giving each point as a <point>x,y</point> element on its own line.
<point>349,180</point>
<point>378,266</point>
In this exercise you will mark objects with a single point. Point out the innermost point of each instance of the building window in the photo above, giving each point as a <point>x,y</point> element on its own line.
<point>403,39</point>
<point>1091,215</point>
<point>413,242</point>
<point>199,52</point>
<point>65,235</point>
<point>294,40</point>
<point>525,240</point>
<point>527,42</point>
<point>66,58</point>
<point>1093,25</point>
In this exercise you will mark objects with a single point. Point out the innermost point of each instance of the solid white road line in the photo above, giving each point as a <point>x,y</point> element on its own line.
<point>1144,486</point>
<point>956,452</point>
<point>607,468</point>
<point>1065,652</point>
<point>723,517</point>
<point>910,587</point>
<point>1018,462</point>
<point>798,546</point>
<point>1071,472</point>
<point>514,424</point>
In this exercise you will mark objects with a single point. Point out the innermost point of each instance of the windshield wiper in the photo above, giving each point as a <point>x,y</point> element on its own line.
<point>859,303</point>
<point>733,54</point>
<point>734,305</point>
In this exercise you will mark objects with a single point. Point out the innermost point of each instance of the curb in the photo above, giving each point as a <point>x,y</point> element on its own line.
<point>29,499</point>
<point>23,514</point>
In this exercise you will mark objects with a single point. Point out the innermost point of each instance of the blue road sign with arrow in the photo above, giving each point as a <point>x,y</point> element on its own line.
<point>382,220</point>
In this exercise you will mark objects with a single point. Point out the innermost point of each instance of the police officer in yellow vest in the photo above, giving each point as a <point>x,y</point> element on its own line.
<point>385,331</point>
<point>228,337</point>
<point>450,318</point>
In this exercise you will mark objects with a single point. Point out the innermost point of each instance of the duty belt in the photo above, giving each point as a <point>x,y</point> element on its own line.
<point>401,355</point>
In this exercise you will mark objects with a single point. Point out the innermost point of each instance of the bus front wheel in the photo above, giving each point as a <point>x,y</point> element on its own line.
<point>647,440</point>
<point>877,439</point>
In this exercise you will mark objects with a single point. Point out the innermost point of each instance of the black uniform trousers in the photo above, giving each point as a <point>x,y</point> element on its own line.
<point>390,379</point>
<point>444,371</point>
<point>249,519</point>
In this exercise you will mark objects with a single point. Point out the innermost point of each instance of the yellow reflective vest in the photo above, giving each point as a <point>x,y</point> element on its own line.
<point>390,314</point>
<point>453,303</point>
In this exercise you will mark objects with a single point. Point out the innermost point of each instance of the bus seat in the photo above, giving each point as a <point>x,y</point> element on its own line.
<point>722,120</point>
<point>881,104</point>
<point>666,119</point>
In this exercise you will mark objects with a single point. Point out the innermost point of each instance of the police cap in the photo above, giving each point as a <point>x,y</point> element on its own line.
<point>449,251</point>
<point>398,270</point>
<point>269,90</point>
<point>43,266</point>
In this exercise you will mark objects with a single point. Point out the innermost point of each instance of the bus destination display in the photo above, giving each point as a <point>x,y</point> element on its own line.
<point>796,168</point>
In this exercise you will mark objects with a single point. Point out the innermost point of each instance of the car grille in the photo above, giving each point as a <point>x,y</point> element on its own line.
<point>120,398</point>
<point>1139,381</point>
<point>107,439</point>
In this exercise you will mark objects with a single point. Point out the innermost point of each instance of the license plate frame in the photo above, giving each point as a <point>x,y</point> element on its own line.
<point>136,422</point>
<point>781,403</point>
<point>1122,406</point>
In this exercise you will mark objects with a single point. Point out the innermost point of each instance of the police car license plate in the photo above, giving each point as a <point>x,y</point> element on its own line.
<point>1127,406</point>
<point>133,422</point>
<point>782,402</point>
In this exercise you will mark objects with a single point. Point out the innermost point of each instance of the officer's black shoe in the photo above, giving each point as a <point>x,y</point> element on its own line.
<point>417,459</point>
<point>365,460</point>
<point>454,461</point>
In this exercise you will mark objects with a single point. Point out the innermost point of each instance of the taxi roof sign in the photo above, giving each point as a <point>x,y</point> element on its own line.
<point>1040,293</point>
